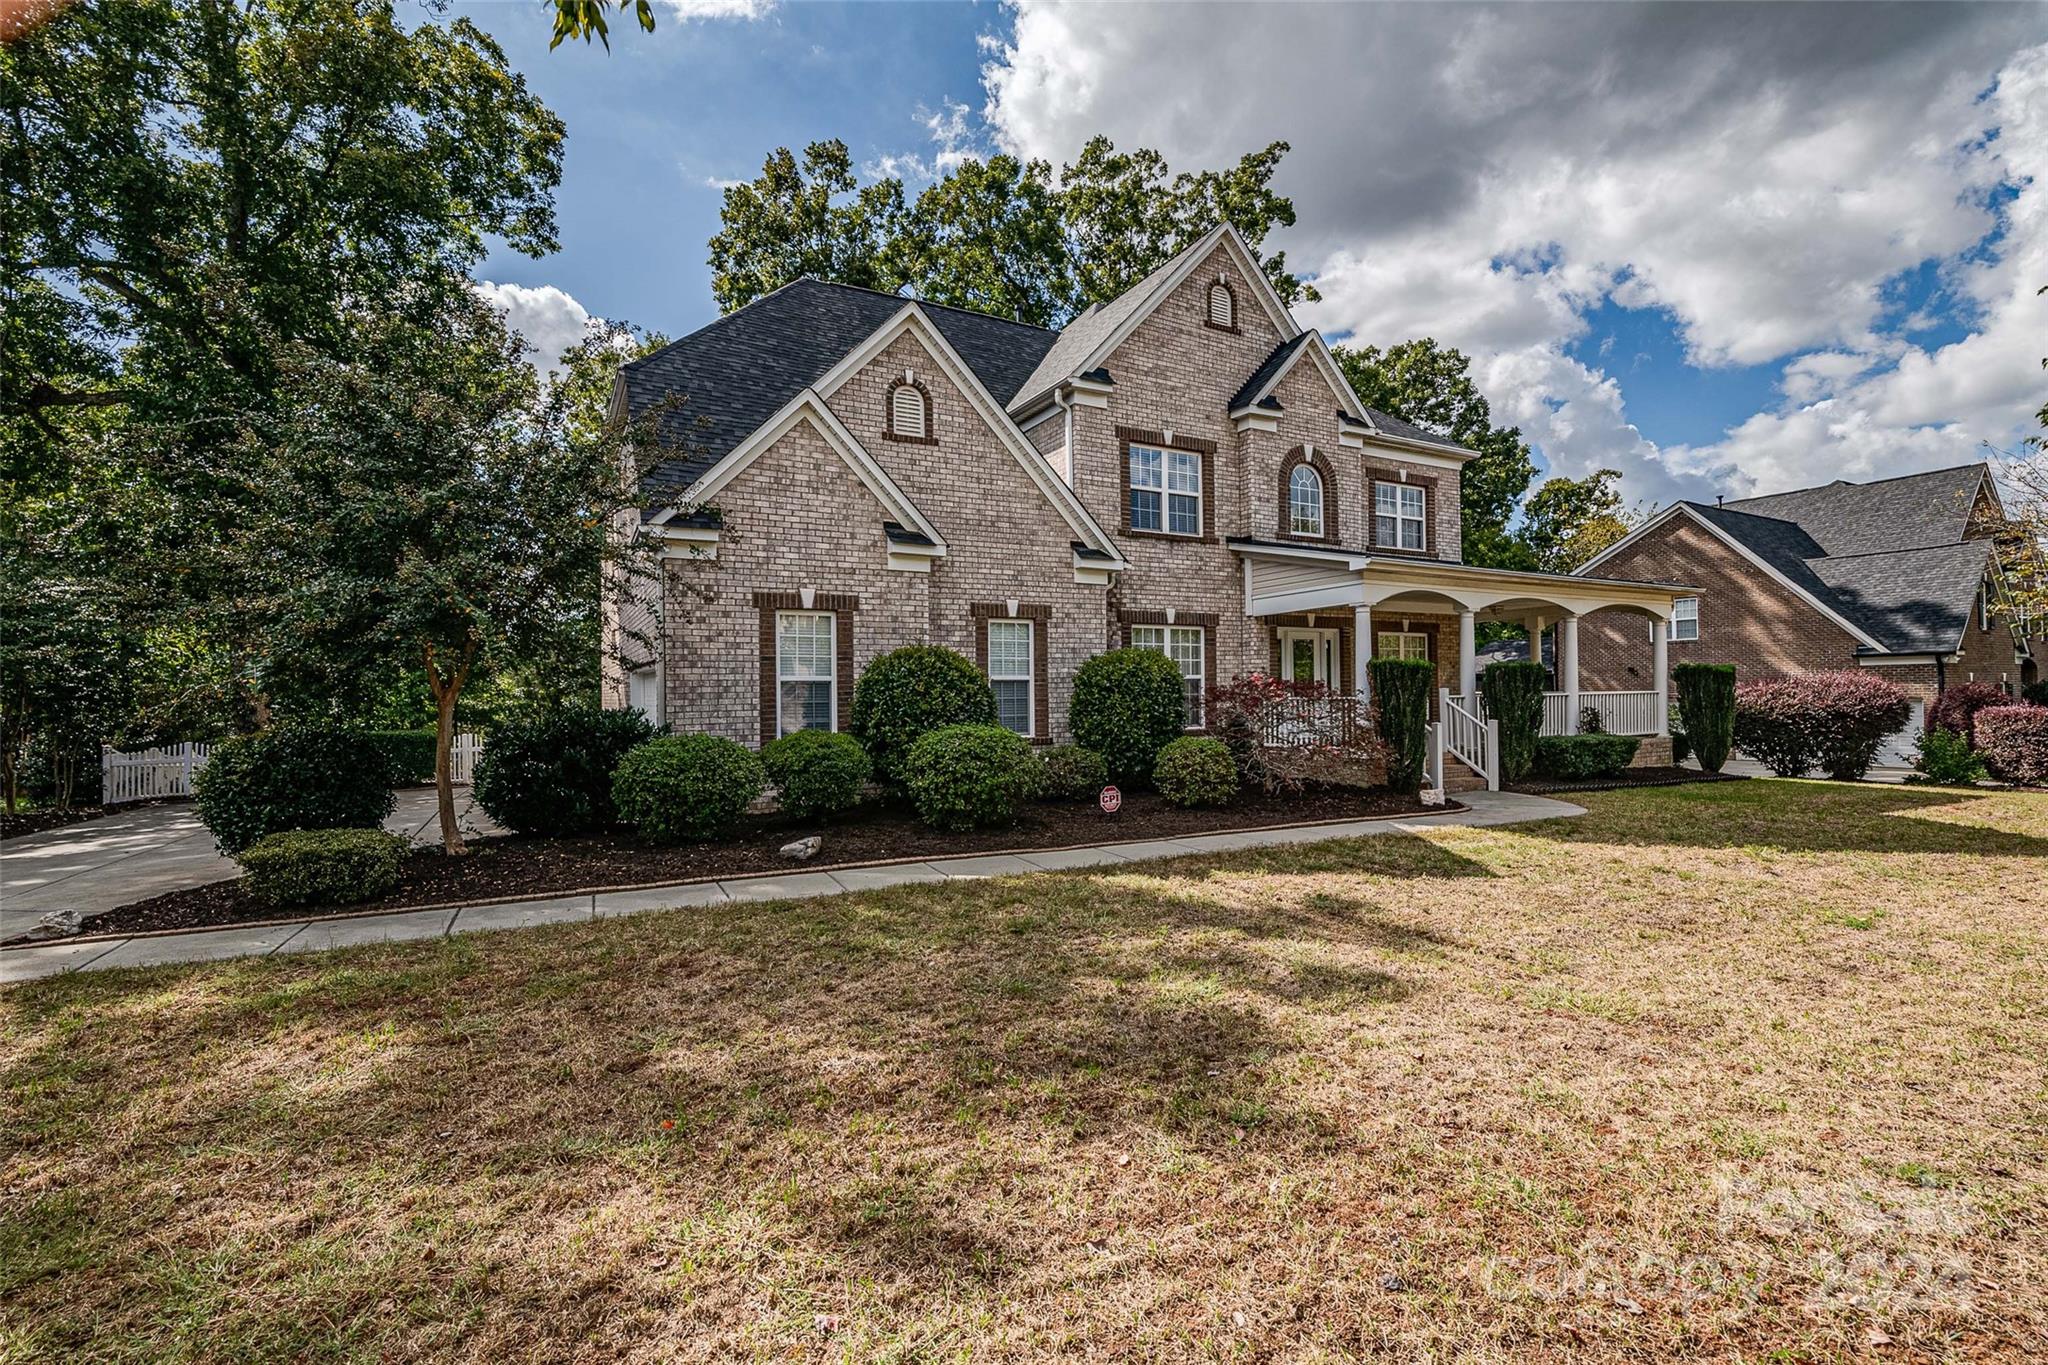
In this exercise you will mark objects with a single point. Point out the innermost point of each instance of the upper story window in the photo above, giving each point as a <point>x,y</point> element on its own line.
<point>1685,618</point>
<point>1166,491</point>
<point>1304,502</point>
<point>1400,516</point>
<point>1222,307</point>
<point>909,412</point>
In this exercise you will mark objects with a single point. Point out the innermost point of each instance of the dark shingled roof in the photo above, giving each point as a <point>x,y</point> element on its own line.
<point>1268,370</point>
<point>1386,422</point>
<point>1397,426</point>
<point>734,374</point>
<point>1890,556</point>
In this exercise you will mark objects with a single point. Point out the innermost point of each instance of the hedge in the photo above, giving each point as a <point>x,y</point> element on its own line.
<point>969,776</point>
<point>323,866</point>
<point>1400,693</point>
<point>292,777</point>
<point>816,773</point>
<point>685,787</point>
<point>1578,758</point>
<point>1513,694</point>
<point>1195,771</point>
<point>410,754</point>
<point>2013,741</point>
<point>1128,704</point>
<point>1068,772</point>
<point>910,692</point>
<point>1706,712</point>
<point>1833,721</point>
<point>550,772</point>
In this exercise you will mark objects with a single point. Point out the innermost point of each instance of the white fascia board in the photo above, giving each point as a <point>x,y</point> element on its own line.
<point>1352,563</point>
<point>810,406</point>
<point>1414,452</point>
<point>689,542</point>
<point>915,321</point>
<point>1901,660</point>
<point>1732,543</point>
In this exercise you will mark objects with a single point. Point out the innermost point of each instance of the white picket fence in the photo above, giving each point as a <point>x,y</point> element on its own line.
<point>156,774</point>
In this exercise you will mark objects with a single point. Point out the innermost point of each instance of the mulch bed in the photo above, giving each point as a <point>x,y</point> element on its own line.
<point>517,866</point>
<point>1632,777</point>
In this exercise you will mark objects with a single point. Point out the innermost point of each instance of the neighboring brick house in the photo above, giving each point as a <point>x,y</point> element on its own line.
<point>1900,575</point>
<point>1183,468</point>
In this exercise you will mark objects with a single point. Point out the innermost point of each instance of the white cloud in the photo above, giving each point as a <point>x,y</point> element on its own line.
<point>550,319</point>
<point>687,10</point>
<point>1488,176</point>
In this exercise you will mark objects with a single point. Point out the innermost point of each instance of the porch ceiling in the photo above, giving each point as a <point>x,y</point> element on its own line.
<point>1283,579</point>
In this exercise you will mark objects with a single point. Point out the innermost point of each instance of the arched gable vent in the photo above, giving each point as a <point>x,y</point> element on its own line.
<point>1222,306</point>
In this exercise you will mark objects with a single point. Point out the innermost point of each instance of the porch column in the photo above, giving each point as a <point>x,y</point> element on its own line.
<point>1468,673</point>
<point>1361,651</point>
<point>1568,670</point>
<point>1660,671</point>
<point>1534,625</point>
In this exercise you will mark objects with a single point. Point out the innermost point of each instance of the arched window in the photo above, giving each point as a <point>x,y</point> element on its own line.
<point>1304,502</point>
<point>909,412</point>
<point>1222,307</point>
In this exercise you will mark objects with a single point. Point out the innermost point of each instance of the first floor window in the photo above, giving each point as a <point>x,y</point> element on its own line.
<point>1009,673</point>
<point>1304,502</point>
<point>640,692</point>
<point>1401,644</point>
<point>1183,645</point>
<point>806,681</point>
<point>1399,513</point>
<point>1685,619</point>
<point>1166,491</point>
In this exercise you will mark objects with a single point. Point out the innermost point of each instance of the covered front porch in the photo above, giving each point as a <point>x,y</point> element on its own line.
<point>1319,603</point>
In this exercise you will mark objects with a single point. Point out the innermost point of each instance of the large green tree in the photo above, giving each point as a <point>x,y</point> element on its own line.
<point>1431,386</point>
<point>1568,521</point>
<point>999,235</point>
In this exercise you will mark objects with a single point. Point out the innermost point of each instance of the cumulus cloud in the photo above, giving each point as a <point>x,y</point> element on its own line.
<point>1488,176</point>
<point>687,10</point>
<point>550,319</point>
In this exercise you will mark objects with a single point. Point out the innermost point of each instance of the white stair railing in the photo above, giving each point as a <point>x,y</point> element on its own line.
<point>1474,740</point>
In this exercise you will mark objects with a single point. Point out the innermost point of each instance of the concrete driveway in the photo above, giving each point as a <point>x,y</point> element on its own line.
<point>95,866</point>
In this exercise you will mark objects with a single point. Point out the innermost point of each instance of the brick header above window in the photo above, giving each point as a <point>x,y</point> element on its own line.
<point>843,605</point>
<point>1040,615</point>
<point>1126,437</point>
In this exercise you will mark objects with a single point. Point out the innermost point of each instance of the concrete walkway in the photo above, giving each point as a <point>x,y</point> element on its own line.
<point>22,964</point>
<point>96,865</point>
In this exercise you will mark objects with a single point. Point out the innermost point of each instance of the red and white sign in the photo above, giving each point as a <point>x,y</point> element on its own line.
<point>1111,800</point>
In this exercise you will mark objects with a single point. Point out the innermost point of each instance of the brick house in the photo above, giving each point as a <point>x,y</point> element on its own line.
<point>1900,575</point>
<point>1182,469</point>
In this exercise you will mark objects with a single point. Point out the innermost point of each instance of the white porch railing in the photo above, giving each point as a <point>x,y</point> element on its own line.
<point>1471,737</point>
<point>1301,722</point>
<point>150,774</point>
<point>1621,713</point>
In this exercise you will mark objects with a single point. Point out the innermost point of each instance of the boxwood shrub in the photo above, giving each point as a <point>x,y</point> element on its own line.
<point>1706,713</point>
<point>1579,758</point>
<point>323,866</point>
<point>1128,704</point>
<point>909,692</point>
<point>292,777</point>
<point>969,776</point>
<point>816,773</point>
<point>1195,771</point>
<point>1833,721</point>
<point>1068,772</point>
<point>685,787</point>
<point>550,772</point>
<point>2013,741</point>
<point>410,753</point>
<point>1400,696</point>
<point>1513,693</point>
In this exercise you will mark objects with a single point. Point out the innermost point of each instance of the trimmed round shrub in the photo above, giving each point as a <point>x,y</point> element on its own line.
<point>2013,741</point>
<point>816,773</point>
<point>1195,771</point>
<point>323,866</point>
<point>1068,772</point>
<point>292,777</point>
<point>409,752</point>
<point>1128,705</point>
<point>1400,696</point>
<point>550,772</point>
<point>969,776</point>
<point>685,787</point>
<point>1833,721</point>
<point>1582,758</point>
<point>910,692</point>
<point>1513,693</point>
<point>1957,707</point>
<point>1706,711</point>
<point>1947,758</point>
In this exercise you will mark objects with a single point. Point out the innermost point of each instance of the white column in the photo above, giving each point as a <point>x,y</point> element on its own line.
<point>1361,651</point>
<point>1568,671</point>
<point>1468,674</point>
<point>1660,671</point>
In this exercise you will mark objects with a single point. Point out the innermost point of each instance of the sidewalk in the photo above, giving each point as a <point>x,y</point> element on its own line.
<point>343,931</point>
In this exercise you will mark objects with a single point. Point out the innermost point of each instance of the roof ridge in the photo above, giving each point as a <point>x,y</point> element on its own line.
<point>1872,483</point>
<point>922,303</point>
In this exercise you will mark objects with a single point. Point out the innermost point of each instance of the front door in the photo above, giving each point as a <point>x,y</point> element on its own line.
<point>1309,656</point>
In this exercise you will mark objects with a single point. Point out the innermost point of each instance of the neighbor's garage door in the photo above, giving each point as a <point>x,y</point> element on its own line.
<point>1899,750</point>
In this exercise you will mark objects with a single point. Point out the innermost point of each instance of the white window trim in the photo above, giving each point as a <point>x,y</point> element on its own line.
<point>1421,520</point>
<point>1380,636</point>
<point>1678,617</point>
<point>1029,677</point>
<point>1199,716</point>
<point>831,678</point>
<point>1321,500</point>
<point>1166,495</point>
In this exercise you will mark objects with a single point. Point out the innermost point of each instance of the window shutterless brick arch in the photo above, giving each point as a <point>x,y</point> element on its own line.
<point>1317,461</point>
<point>843,605</point>
<point>1126,437</point>
<point>1207,620</point>
<point>889,432</point>
<point>1040,616</point>
<point>1382,473</point>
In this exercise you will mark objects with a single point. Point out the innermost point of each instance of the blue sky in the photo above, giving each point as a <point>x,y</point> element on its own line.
<point>1718,250</point>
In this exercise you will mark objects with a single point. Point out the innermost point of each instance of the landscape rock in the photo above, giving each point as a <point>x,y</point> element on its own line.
<point>804,848</point>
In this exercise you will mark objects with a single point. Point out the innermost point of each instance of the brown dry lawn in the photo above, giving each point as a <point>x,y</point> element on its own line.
<point>1749,1072</point>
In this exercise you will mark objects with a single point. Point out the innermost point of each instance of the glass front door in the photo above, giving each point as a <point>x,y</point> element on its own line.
<point>1309,656</point>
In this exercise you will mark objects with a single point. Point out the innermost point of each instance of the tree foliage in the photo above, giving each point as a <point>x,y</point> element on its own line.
<point>1568,521</point>
<point>585,19</point>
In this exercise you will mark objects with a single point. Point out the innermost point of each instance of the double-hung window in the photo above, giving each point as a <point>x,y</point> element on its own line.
<point>1009,673</point>
<point>806,679</point>
<point>1400,512</point>
<point>1401,644</point>
<point>1685,618</point>
<point>1166,491</point>
<point>1304,502</point>
<point>1183,645</point>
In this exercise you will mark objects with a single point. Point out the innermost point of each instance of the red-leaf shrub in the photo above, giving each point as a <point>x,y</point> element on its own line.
<point>1832,721</point>
<point>1957,707</point>
<point>2014,743</point>
<point>1285,736</point>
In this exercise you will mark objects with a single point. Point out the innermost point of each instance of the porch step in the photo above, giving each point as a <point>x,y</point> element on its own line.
<point>1458,777</point>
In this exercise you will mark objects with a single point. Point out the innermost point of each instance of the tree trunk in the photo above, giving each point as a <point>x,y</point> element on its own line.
<point>446,691</point>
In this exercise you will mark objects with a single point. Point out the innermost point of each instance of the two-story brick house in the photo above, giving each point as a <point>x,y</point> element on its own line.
<point>1183,468</point>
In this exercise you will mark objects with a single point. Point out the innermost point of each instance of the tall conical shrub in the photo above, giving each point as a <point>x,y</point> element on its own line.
<point>1400,693</point>
<point>1706,708</point>
<point>1513,693</point>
